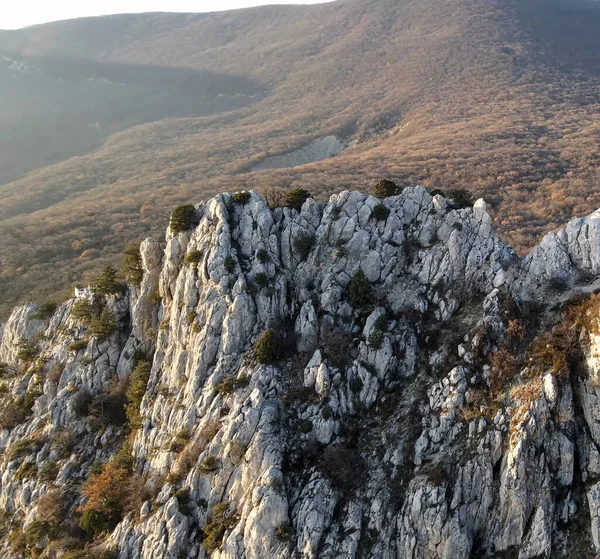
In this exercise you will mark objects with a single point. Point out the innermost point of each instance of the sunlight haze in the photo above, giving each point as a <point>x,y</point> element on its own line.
<point>24,14</point>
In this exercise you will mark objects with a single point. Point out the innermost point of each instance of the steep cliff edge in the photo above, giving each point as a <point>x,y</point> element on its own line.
<point>349,380</point>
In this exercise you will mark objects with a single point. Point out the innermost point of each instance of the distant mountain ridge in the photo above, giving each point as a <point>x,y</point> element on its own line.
<point>499,97</point>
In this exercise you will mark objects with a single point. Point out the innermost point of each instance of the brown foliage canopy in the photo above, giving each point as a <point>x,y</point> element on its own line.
<point>486,96</point>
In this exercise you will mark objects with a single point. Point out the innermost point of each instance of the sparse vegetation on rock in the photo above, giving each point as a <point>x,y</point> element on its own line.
<point>182,218</point>
<point>295,198</point>
<point>303,244</point>
<point>385,188</point>
<point>380,212</point>
<point>241,198</point>
<point>221,520</point>
<point>45,310</point>
<point>132,264</point>
<point>103,326</point>
<point>266,349</point>
<point>106,283</point>
<point>359,290</point>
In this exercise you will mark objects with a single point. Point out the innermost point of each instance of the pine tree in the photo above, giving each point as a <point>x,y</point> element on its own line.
<point>182,218</point>
<point>385,188</point>
<point>104,326</point>
<point>132,264</point>
<point>106,283</point>
<point>136,391</point>
<point>266,348</point>
<point>295,198</point>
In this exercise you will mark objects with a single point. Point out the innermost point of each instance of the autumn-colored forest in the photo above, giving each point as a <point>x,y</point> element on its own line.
<point>499,97</point>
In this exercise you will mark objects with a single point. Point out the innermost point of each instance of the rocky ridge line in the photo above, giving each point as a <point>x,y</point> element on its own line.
<point>366,440</point>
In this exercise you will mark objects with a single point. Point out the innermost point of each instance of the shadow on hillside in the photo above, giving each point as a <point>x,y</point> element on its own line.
<point>54,108</point>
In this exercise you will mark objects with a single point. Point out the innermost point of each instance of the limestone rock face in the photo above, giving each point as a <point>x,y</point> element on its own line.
<point>373,425</point>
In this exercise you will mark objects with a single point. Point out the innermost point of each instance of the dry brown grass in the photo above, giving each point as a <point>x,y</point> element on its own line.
<point>524,357</point>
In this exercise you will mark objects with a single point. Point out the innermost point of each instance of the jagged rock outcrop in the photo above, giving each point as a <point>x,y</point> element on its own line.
<point>375,424</point>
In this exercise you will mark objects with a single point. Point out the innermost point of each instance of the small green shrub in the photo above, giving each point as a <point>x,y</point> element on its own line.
<point>226,386</point>
<point>78,345</point>
<point>209,464</point>
<point>283,532</point>
<point>106,283</point>
<point>182,218</point>
<point>359,290</point>
<point>191,316</point>
<point>22,447</point>
<point>25,471</point>
<point>108,408</point>
<point>303,244</point>
<point>356,385</point>
<point>221,520</point>
<point>17,541</point>
<point>193,257</point>
<point>241,198</point>
<point>45,310</point>
<point>49,471</point>
<point>241,381</point>
<point>340,251</point>
<point>135,393</point>
<point>385,188</point>
<point>132,264</point>
<point>180,440</point>
<point>336,343</point>
<point>82,310</point>
<point>103,326</point>
<point>343,466</point>
<point>39,530</point>
<point>229,264</point>
<point>196,328</point>
<point>460,198</point>
<point>306,427</point>
<point>326,412</point>
<point>261,279</point>
<point>183,501</point>
<point>381,322</point>
<point>27,400</point>
<point>262,255</point>
<point>231,383</point>
<point>296,198</point>
<point>380,212</point>
<point>375,339</point>
<point>62,442</point>
<point>27,351</point>
<point>266,349</point>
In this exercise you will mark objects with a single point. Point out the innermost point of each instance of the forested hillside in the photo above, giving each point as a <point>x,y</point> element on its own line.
<point>498,97</point>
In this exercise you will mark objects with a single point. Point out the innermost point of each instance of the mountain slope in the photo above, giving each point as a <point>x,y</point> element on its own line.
<point>482,95</point>
<point>313,383</point>
<point>52,108</point>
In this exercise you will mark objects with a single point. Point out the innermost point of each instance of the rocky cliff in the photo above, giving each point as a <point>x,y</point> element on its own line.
<point>354,379</point>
